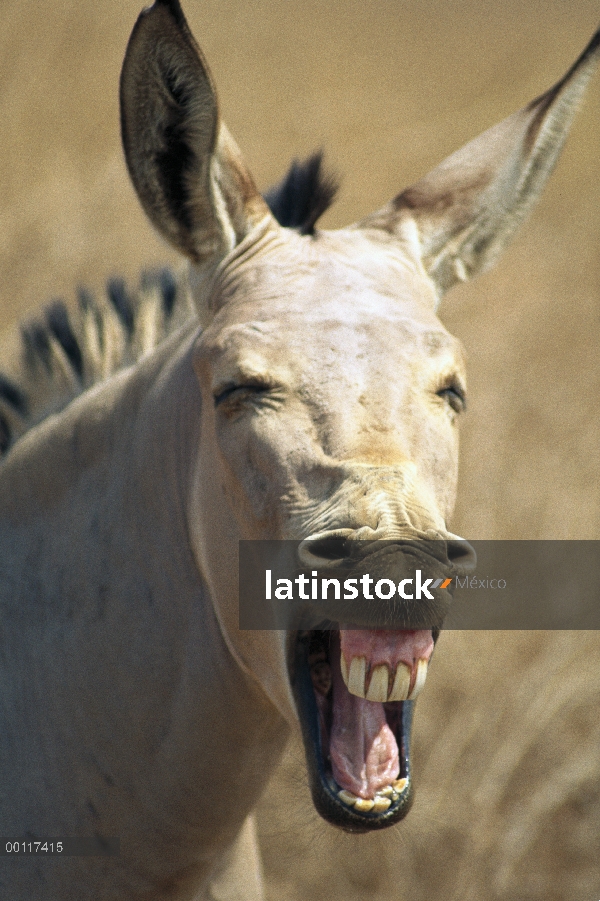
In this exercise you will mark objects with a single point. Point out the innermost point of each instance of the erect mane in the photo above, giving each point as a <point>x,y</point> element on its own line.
<point>305,193</point>
<point>66,351</point>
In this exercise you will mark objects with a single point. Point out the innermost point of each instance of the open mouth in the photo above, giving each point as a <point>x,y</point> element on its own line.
<point>355,692</point>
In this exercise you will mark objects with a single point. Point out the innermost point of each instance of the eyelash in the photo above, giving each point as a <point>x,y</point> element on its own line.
<point>231,389</point>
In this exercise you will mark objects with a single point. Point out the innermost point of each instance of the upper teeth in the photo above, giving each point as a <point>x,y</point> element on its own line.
<point>356,676</point>
<point>420,679</point>
<point>401,684</point>
<point>378,687</point>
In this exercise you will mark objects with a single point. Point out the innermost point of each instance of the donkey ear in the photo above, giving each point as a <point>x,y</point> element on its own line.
<point>467,208</point>
<point>185,166</point>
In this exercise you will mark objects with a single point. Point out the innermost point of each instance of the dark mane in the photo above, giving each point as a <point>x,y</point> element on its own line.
<point>66,350</point>
<point>303,195</point>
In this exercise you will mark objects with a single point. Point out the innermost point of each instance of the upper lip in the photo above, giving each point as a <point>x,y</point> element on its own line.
<point>392,560</point>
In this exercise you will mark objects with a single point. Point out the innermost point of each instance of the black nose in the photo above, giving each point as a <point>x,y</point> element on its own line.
<point>328,550</point>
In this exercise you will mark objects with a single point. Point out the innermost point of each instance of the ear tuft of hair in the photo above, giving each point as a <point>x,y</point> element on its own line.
<point>305,193</point>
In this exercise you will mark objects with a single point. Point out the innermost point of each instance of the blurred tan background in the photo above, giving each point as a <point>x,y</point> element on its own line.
<point>508,730</point>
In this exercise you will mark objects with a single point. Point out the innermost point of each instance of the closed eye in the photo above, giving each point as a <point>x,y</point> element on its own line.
<point>239,392</point>
<point>454,396</point>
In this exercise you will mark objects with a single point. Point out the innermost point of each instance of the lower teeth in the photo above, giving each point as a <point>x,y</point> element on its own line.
<point>383,799</point>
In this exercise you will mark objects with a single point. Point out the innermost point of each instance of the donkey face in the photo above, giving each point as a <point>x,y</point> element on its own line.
<point>330,390</point>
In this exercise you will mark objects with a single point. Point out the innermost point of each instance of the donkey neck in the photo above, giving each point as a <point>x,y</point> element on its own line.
<point>147,720</point>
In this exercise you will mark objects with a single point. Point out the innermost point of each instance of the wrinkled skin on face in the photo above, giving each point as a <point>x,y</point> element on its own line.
<point>325,383</point>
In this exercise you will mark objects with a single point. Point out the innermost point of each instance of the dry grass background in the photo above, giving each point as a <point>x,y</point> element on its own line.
<point>508,731</point>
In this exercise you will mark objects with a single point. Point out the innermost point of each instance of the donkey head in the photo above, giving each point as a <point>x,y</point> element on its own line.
<point>331,392</point>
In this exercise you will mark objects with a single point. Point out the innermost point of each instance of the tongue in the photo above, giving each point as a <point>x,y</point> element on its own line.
<point>363,749</point>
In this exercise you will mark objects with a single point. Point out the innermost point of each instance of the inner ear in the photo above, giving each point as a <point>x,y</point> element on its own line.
<point>187,172</point>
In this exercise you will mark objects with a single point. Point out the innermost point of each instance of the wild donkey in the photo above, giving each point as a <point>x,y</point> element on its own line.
<point>317,400</point>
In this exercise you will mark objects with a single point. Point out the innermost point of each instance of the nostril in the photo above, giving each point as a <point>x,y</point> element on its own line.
<point>329,548</point>
<point>325,548</point>
<point>461,554</point>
